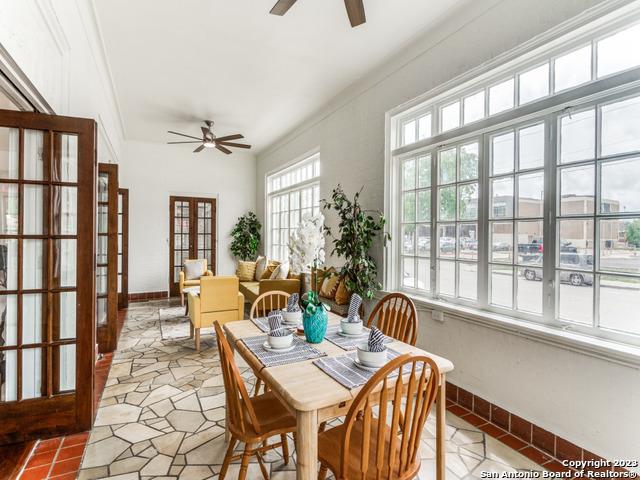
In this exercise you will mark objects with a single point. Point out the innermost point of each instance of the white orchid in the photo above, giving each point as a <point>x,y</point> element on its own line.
<point>306,243</point>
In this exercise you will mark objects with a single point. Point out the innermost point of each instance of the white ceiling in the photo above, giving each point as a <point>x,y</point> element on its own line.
<point>176,63</point>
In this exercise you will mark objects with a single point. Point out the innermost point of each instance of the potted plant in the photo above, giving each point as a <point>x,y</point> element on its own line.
<point>306,250</point>
<point>357,230</point>
<point>246,237</point>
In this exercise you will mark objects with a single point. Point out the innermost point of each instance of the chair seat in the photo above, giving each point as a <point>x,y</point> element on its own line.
<point>191,283</point>
<point>330,452</point>
<point>273,416</point>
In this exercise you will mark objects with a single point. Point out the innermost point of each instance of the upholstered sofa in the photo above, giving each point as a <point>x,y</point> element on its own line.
<point>253,289</point>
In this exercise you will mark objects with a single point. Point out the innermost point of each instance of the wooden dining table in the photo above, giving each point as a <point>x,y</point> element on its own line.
<point>313,397</point>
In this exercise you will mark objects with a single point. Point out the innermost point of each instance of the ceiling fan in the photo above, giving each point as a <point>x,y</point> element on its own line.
<point>355,10</point>
<point>209,140</point>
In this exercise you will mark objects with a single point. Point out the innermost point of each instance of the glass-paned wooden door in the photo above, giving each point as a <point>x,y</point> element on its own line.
<point>47,299</point>
<point>192,234</point>
<point>107,258</point>
<point>123,248</point>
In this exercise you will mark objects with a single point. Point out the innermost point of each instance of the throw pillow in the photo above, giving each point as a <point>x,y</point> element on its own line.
<point>281,272</point>
<point>321,275</point>
<point>330,286</point>
<point>271,266</point>
<point>246,271</point>
<point>194,269</point>
<point>261,265</point>
<point>343,295</point>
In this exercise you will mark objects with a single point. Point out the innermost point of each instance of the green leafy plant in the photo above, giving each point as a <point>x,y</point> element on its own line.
<point>246,237</point>
<point>633,234</point>
<point>357,230</point>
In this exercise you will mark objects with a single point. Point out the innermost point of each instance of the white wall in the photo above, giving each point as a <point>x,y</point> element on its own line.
<point>589,401</point>
<point>153,172</point>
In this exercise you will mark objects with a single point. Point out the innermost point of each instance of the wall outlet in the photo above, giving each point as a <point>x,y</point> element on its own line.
<point>437,315</point>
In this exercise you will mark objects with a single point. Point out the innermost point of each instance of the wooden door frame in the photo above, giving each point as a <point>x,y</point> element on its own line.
<point>59,413</point>
<point>193,216</point>
<point>123,295</point>
<point>107,336</point>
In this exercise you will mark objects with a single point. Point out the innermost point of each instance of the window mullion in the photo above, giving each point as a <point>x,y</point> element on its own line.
<point>483,221</point>
<point>549,284</point>
<point>434,216</point>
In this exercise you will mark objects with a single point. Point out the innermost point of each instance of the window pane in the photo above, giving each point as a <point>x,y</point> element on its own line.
<point>66,252</point>
<point>32,318</point>
<point>447,278</point>
<point>617,53</point>
<point>409,132</point>
<point>501,286</point>
<point>468,241</point>
<point>424,171</point>
<point>65,208</point>
<point>502,198</point>
<point>450,116</point>
<point>572,69</point>
<point>468,280</point>
<point>577,136</point>
<point>33,154</point>
<point>621,127</point>
<point>67,314</point>
<point>424,205</point>
<point>618,297</point>
<point>529,296</point>
<point>502,153</point>
<point>424,240</point>
<point>67,367</point>
<point>409,239</point>
<point>9,375</point>
<point>447,166</point>
<point>447,203</point>
<point>577,186</point>
<point>447,241</point>
<point>576,244</point>
<point>9,207</point>
<point>9,265</point>
<point>501,242</point>
<point>619,243</point>
<point>469,161</point>
<point>619,186</point>
<point>531,147</point>
<point>531,195</point>
<point>530,242</point>
<point>474,107</point>
<point>424,277</point>
<point>408,272</point>
<point>33,218</point>
<point>468,202</point>
<point>575,298</point>
<point>424,126</point>
<point>9,144</point>
<point>9,312</point>
<point>32,264</point>
<point>409,174</point>
<point>409,207</point>
<point>534,84</point>
<point>31,373</point>
<point>501,97</point>
<point>68,161</point>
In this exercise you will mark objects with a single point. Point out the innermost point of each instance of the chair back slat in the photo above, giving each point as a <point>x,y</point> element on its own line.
<point>267,302</point>
<point>241,415</point>
<point>388,444</point>
<point>396,316</point>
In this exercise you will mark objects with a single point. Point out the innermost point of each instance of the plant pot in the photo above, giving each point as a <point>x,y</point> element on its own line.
<point>315,325</point>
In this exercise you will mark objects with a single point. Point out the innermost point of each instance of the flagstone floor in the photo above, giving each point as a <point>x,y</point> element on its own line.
<point>162,414</point>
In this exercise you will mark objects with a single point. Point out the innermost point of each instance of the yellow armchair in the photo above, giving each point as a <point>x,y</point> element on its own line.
<point>184,282</point>
<point>219,300</point>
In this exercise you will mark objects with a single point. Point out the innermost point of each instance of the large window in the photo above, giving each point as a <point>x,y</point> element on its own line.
<point>526,179</point>
<point>291,193</point>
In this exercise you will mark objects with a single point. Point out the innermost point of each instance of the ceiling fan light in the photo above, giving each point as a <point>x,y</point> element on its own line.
<point>209,144</point>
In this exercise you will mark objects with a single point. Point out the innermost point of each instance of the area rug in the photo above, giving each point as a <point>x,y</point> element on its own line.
<point>174,324</point>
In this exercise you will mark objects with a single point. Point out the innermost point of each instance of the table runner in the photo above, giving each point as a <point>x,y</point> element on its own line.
<point>348,343</point>
<point>302,351</point>
<point>344,371</point>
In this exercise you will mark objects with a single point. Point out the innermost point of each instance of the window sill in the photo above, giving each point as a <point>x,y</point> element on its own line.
<point>627,355</point>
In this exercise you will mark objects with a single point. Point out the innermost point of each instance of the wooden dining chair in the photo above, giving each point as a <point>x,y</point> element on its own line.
<point>252,420</point>
<point>384,442</point>
<point>396,316</point>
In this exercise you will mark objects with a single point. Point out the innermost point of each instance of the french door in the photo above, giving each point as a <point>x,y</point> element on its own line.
<point>192,234</point>
<point>123,248</point>
<point>47,285</point>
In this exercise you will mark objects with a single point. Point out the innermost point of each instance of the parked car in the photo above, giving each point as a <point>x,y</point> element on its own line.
<point>501,247</point>
<point>567,260</point>
<point>447,245</point>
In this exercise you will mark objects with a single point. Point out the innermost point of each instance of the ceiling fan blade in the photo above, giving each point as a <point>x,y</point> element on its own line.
<point>222,149</point>
<point>199,149</point>
<point>237,136</point>
<point>355,10</point>
<point>183,135</point>
<point>236,145</point>
<point>282,7</point>
<point>176,143</point>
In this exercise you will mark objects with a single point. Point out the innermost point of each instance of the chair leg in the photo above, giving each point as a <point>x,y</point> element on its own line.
<point>227,458</point>
<point>285,448</point>
<point>322,474</point>
<point>182,299</point>
<point>245,462</point>
<point>190,330</point>
<point>197,339</point>
<point>263,469</point>
<point>256,390</point>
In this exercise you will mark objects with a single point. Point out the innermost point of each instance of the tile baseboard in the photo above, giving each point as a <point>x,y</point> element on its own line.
<point>146,296</point>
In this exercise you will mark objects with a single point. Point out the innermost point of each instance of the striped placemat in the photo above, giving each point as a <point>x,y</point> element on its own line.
<point>263,324</point>
<point>344,371</point>
<point>301,351</point>
<point>349,343</point>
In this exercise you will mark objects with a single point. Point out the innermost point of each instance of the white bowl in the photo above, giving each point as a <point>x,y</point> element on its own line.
<point>292,318</point>
<point>371,359</point>
<point>280,342</point>
<point>351,328</point>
